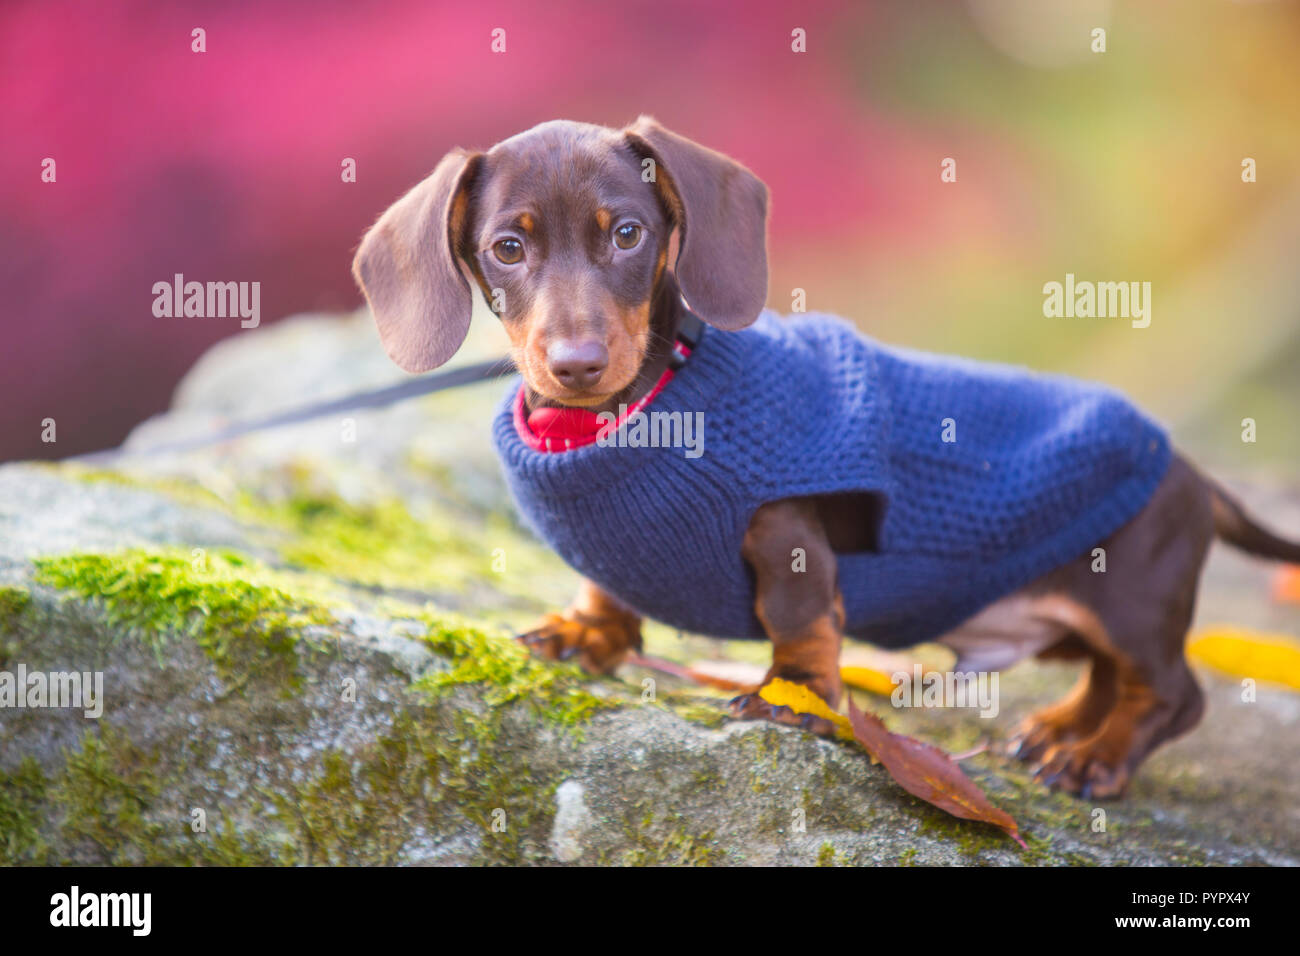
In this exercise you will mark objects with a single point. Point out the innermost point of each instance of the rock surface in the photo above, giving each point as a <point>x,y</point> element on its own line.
<point>303,642</point>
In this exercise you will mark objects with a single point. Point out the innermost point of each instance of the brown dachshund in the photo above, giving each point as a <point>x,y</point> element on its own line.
<point>610,254</point>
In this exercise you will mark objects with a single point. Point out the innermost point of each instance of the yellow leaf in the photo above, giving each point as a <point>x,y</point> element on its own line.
<point>868,679</point>
<point>1243,653</point>
<point>872,669</point>
<point>784,693</point>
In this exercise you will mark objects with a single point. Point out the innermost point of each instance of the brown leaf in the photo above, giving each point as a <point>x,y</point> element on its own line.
<point>927,772</point>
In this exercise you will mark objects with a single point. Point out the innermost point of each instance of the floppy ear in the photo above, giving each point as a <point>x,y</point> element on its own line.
<point>721,209</point>
<point>407,267</point>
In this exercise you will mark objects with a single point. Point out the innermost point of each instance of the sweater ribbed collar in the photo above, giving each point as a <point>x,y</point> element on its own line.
<point>714,369</point>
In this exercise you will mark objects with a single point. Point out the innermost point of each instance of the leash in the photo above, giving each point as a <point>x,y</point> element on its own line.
<point>378,398</point>
<point>689,332</point>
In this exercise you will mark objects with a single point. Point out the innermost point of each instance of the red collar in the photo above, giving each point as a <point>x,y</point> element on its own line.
<point>563,429</point>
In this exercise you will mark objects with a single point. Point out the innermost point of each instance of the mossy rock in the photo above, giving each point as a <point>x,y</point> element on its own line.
<point>306,653</point>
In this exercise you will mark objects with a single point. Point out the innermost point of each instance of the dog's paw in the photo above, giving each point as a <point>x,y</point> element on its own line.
<point>754,707</point>
<point>1033,737</point>
<point>599,646</point>
<point>1083,770</point>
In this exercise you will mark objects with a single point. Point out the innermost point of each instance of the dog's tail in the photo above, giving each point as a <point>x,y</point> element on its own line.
<point>1234,525</point>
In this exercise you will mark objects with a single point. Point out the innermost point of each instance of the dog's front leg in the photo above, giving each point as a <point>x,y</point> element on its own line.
<point>799,604</point>
<point>596,628</point>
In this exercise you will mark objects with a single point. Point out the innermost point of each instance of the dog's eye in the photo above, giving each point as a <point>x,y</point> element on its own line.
<point>508,251</point>
<point>627,236</point>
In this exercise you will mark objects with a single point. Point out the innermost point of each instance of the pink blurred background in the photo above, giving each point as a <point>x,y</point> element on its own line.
<point>225,166</point>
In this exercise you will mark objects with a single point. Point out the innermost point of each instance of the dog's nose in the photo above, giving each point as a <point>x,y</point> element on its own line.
<point>577,365</point>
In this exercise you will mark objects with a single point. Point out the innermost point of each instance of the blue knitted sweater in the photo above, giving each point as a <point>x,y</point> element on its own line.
<point>1042,468</point>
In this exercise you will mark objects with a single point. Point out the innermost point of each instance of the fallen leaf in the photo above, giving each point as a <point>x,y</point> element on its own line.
<point>927,772</point>
<point>872,668</point>
<point>709,677</point>
<point>868,679</point>
<point>861,665</point>
<point>784,693</point>
<point>1286,584</point>
<point>734,674</point>
<point>1244,653</point>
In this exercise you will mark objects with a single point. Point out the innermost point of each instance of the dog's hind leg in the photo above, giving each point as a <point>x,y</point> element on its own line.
<point>1134,618</point>
<point>1147,711</point>
<point>1077,715</point>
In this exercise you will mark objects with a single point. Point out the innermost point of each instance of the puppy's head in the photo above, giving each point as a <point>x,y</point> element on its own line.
<point>567,230</point>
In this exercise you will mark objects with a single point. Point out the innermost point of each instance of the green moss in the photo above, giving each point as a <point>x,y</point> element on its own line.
<point>446,759</point>
<point>347,812</point>
<point>434,769</point>
<point>826,855</point>
<point>248,629</point>
<point>181,490</point>
<point>971,838</point>
<point>13,602</point>
<point>378,544</point>
<point>430,772</point>
<point>442,760</point>
<point>222,847</point>
<point>670,843</point>
<point>700,713</point>
<point>104,792</point>
<point>110,803</point>
<point>707,780</point>
<point>441,551</point>
<point>507,672</point>
<point>22,808</point>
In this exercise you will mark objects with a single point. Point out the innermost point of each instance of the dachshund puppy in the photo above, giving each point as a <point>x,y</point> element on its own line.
<point>839,485</point>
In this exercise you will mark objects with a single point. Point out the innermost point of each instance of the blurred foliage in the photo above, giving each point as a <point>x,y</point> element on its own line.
<point>1115,166</point>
